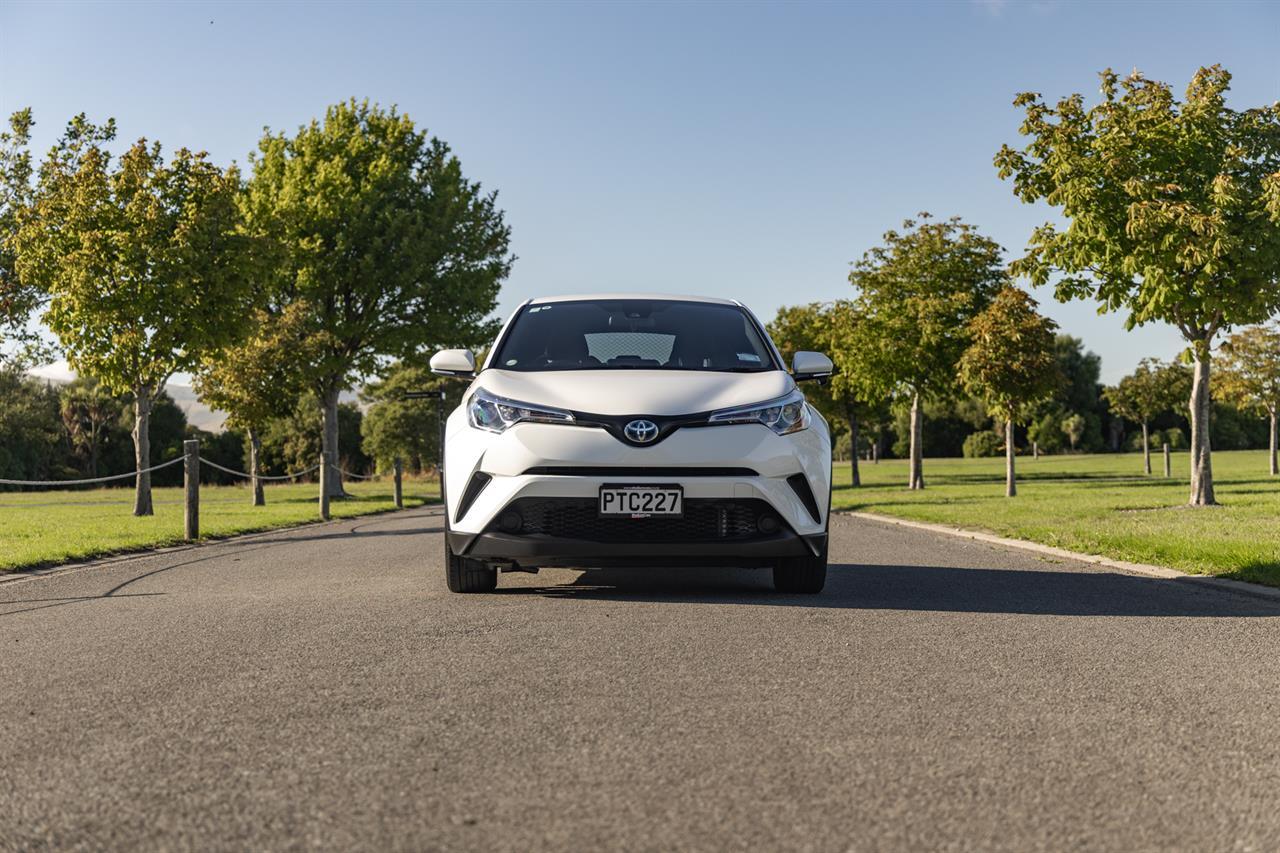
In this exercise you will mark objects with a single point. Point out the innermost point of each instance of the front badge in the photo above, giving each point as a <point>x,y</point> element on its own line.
<point>641,431</point>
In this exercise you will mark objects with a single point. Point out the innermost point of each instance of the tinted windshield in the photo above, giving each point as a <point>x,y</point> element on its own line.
<point>645,334</point>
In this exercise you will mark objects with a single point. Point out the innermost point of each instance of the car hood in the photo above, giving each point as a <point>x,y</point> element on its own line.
<point>636,392</point>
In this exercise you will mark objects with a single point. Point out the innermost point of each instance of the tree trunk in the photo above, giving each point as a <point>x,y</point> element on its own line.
<point>255,453</point>
<point>1146,447</point>
<point>1010,480</point>
<point>875,450</point>
<point>329,441</point>
<point>1201,452</point>
<point>1274,469</point>
<point>853,448</point>
<point>142,450</point>
<point>917,442</point>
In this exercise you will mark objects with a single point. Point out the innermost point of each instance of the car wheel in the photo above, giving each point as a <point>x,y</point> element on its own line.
<point>807,575</point>
<point>465,575</point>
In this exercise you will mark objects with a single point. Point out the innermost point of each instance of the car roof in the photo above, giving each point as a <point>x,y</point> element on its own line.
<point>583,297</point>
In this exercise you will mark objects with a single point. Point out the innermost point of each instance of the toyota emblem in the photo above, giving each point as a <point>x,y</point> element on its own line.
<point>641,431</point>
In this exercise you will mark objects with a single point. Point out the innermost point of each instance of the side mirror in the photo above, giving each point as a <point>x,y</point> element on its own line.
<point>454,362</point>
<point>811,365</point>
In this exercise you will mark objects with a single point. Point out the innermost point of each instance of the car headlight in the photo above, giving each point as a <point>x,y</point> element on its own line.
<point>783,415</point>
<point>493,413</point>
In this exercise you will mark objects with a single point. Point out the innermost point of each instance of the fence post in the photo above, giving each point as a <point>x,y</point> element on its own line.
<point>1168,468</point>
<point>399,469</point>
<point>191,479</point>
<point>324,486</point>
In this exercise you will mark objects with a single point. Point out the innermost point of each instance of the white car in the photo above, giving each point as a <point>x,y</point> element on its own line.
<point>635,430</point>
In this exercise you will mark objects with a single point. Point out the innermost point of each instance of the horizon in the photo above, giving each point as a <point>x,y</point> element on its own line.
<point>799,132</point>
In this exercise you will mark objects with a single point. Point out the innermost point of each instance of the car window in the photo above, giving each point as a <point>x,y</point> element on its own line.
<point>648,334</point>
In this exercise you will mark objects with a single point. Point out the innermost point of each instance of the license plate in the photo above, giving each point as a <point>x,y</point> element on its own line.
<point>641,501</point>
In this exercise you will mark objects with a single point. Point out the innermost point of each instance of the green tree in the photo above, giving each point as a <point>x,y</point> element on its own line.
<point>395,426</point>
<point>140,260</point>
<point>380,233</point>
<point>1173,212</point>
<point>1073,428</point>
<point>1151,390</point>
<point>830,328</point>
<point>18,300</point>
<point>31,442</point>
<point>1251,376</point>
<point>982,444</point>
<point>88,413</point>
<point>1010,364</point>
<point>916,295</point>
<point>293,443</point>
<point>259,378</point>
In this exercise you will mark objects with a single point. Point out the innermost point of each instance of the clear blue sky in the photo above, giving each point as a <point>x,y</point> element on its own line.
<point>745,150</point>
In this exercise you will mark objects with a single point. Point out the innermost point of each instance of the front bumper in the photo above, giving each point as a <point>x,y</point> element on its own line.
<point>570,531</point>
<point>547,551</point>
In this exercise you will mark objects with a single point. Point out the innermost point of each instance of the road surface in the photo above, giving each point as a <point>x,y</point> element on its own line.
<point>319,688</point>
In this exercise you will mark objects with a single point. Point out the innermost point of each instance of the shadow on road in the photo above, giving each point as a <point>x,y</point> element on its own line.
<point>920,588</point>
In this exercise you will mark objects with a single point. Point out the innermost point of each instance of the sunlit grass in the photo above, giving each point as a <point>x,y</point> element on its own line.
<point>49,527</point>
<point>1096,504</point>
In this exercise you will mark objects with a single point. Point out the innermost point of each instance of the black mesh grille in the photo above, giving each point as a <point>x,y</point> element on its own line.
<point>578,518</point>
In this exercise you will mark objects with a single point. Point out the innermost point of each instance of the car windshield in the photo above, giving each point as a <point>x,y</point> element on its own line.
<point>636,334</point>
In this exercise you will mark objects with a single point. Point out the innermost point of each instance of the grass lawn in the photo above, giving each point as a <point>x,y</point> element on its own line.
<point>48,527</point>
<point>1096,504</point>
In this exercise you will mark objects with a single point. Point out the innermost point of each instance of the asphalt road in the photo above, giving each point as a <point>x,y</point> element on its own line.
<point>321,688</point>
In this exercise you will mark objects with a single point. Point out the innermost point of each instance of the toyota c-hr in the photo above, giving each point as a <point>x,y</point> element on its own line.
<point>635,430</point>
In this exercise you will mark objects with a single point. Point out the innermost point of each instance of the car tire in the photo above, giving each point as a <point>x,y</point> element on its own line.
<point>805,575</point>
<point>465,575</point>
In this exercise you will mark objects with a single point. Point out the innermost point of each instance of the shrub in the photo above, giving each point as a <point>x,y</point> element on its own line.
<point>984,443</point>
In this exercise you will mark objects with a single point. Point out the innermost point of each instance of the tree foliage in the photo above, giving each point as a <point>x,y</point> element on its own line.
<point>88,414</point>
<point>396,426</point>
<point>138,256</point>
<point>140,259</point>
<point>1251,369</point>
<point>20,346</point>
<point>259,377</point>
<point>378,231</point>
<point>1173,208</point>
<point>30,429</point>
<point>1251,378</point>
<point>1153,388</point>
<point>1073,428</point>
<point>293,443</point>
<point>1010,363</point>
<point>916,294</point>
<point>1173,212</point>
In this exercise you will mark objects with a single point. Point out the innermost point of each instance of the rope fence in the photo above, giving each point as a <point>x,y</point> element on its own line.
<point>249,476</point>
<point>92,480</point>
<point>351,476</point>
<point>192,461</point>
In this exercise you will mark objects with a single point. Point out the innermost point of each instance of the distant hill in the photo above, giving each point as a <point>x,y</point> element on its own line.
<point>198,414</point>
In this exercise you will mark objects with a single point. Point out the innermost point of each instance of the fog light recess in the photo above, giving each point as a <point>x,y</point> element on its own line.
<point>768,524</point>
<point>511,521</point>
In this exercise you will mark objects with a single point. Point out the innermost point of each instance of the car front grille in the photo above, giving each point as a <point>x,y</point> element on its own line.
<point>704,520</point>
